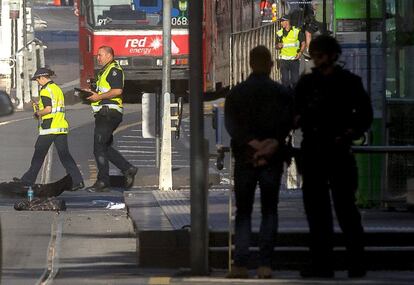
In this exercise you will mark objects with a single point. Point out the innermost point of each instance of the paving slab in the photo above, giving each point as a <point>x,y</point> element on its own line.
<point>174,207</point>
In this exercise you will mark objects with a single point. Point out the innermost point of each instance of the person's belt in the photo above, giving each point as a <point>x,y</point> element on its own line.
<point>96,109</point>
<point>51,131</point>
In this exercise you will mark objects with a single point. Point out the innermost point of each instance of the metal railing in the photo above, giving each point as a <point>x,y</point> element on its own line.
<point>240,45</point>
<point>28,59</point>
<point>386,172</point>
<point>389,168</point>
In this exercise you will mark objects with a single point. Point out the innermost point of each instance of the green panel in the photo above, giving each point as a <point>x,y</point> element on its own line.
<point>355,9</point>
<point>370,172</point>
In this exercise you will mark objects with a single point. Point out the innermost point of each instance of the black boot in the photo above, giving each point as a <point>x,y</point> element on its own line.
<point>99,186</point>
<point>77,186</point>
<point>130,176</point>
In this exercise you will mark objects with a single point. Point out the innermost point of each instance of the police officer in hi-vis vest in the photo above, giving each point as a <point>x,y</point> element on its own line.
<point>53,128</point>
<point>106,102</point>
<point>291,42</point>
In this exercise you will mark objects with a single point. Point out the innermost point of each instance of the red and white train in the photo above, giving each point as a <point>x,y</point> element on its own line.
<point>133,28</point>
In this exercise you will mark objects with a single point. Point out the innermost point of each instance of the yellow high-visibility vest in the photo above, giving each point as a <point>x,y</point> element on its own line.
<point>59,124</point>
<point>103,86</point>
<point>290,43</point>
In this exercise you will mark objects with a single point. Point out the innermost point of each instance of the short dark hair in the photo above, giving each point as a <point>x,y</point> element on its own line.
<point>325,44</point>
<point>260,58</point>
<point>108,49</point>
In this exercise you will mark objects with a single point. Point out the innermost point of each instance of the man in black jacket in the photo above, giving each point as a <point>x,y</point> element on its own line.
<point>258,117</point>
<point>332,109</point>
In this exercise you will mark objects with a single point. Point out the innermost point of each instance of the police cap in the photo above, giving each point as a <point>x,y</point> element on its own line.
<point>42,71</point>
<point>284,18</point>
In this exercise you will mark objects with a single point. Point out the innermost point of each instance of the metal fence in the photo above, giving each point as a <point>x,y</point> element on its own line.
<point>386,172</point>
<point>240,45</point>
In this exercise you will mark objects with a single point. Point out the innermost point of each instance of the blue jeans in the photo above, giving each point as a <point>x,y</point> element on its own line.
<point>246,178</point>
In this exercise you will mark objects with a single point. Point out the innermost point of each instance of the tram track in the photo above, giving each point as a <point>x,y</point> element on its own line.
<point>52,265</point>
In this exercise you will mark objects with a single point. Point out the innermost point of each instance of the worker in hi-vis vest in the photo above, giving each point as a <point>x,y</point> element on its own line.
<point>291,42</point>
<point>53,128</point>
<point>106,102</point>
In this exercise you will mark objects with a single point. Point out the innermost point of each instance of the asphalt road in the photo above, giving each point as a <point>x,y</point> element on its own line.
<point>95,243</point>
<point>83,228</point>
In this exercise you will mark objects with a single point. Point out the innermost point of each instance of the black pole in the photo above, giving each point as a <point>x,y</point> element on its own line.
<point>397,51</point>
<point>231,17</point>
<point>324,17</point>
<point>198,169</point>
<point>252,14</point>
<point>368,36</point>
<point>368,31</point>
<point>385,73</point>
<point>384,131</point>
<point>157,127</point>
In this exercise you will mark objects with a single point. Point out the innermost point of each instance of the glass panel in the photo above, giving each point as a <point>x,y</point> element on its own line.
<point>399,92</point>
<point>310,12</point>
<point>124,14</point>
<point>405,41</point>
<point>400,49</point>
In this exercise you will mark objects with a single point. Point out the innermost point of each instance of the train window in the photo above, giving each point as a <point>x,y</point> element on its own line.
<point>148,3</point>
<point>119,14</point>
<point>149,6</point>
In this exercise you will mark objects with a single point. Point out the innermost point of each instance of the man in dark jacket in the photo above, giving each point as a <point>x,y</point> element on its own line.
<point>258,117</point>
<point>332,109</point>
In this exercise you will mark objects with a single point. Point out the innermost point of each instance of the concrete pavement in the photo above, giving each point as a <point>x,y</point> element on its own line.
<point>161,212</point>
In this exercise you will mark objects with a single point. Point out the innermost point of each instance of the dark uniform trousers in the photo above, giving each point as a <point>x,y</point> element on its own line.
<point>106,122</point>
<point>246,178</point>
<point>331,172</point>
<point>289,70</point>
<point>42,146</point>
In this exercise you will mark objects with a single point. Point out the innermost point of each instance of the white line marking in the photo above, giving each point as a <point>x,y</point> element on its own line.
<point>122,128</point>
<point>143,165</point>
<point>140,155</point>
<point>143,160</point>
<point>140,142</point>
<point>134,137</point>
<point>70,83</point>
<point>135,146</point>
<point>139,151</point>
<point>14,121</point>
